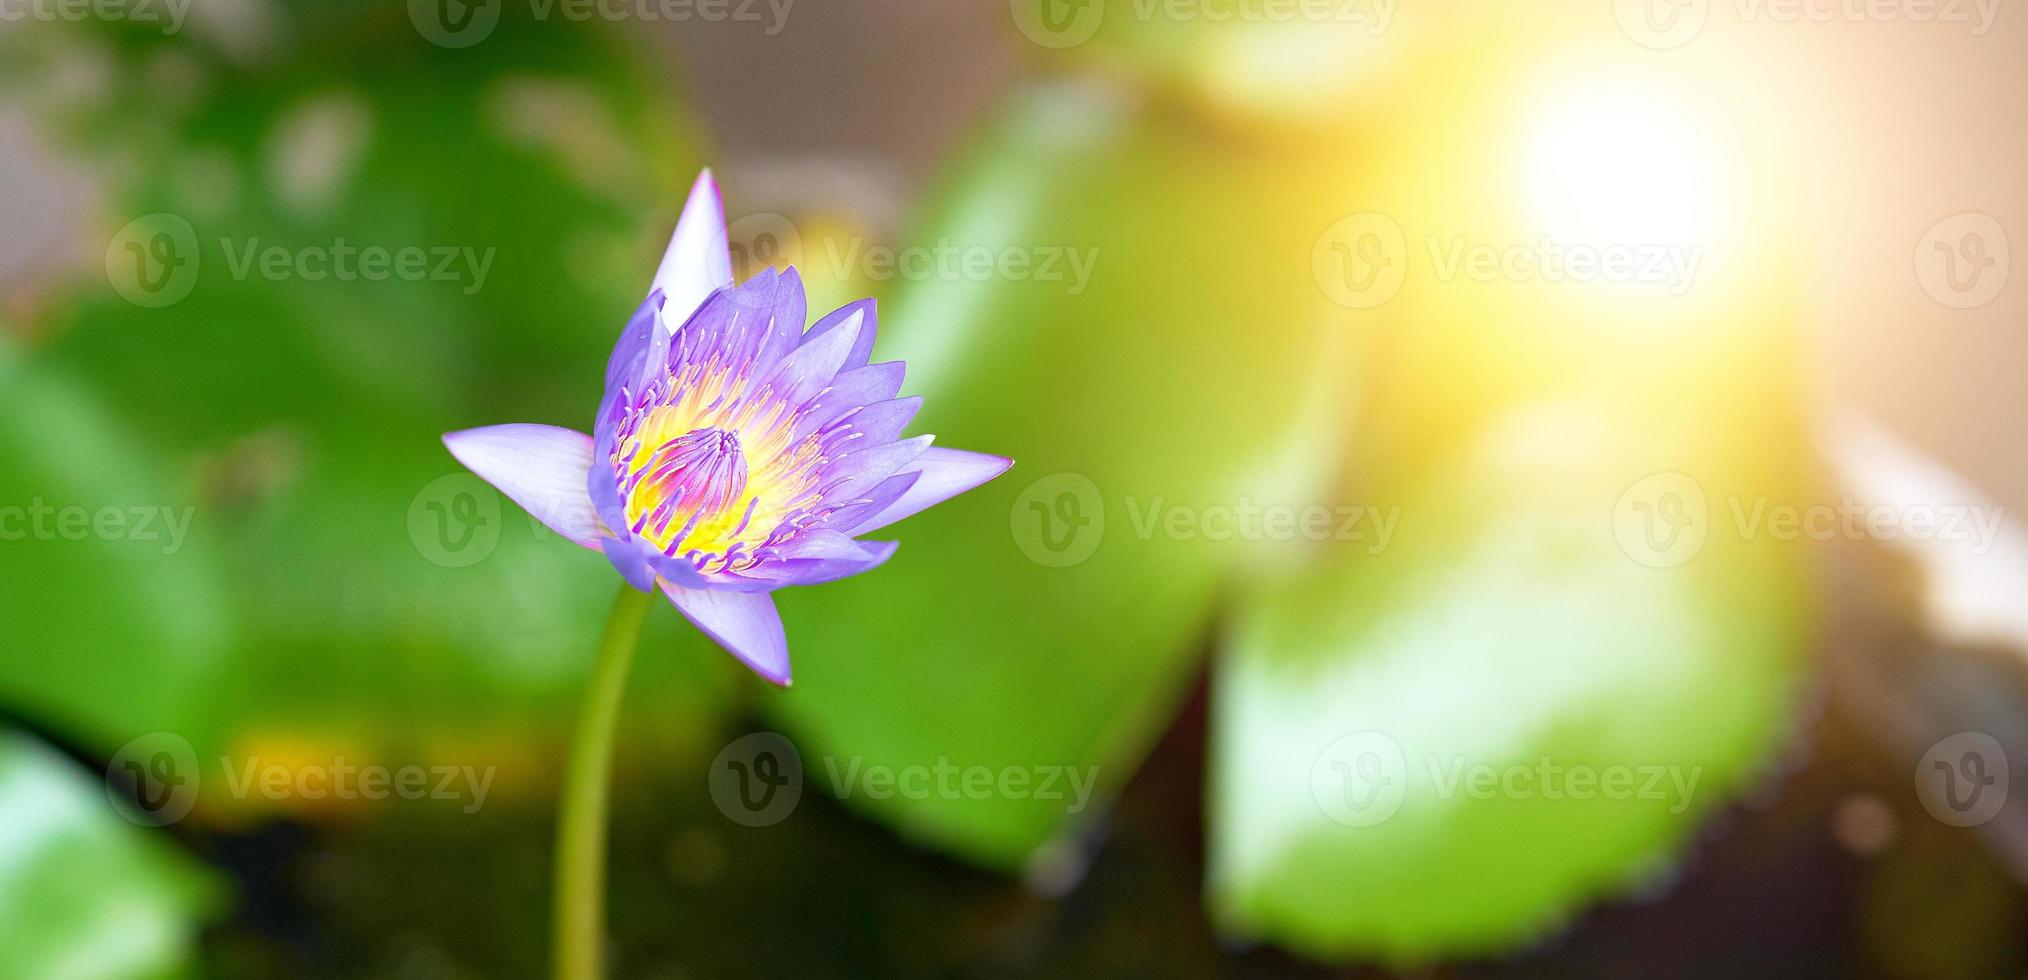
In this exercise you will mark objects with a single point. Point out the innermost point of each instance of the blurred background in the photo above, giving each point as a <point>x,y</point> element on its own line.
<point>1504,489</point>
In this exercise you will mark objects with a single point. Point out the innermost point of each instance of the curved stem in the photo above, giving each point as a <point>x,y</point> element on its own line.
<point>580,912</point>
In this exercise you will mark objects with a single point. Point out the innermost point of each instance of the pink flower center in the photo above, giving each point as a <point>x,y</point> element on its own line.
<point>695,477</point>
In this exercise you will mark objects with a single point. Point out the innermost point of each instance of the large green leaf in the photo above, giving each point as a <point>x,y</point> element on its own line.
<point>1048,620</point>
<point>1521,626</point>
<point>129,618</point>
<point>85,895</point>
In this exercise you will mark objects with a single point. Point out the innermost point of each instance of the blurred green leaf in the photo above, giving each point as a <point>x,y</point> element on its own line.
<point>83,893</point>
<point>130,614</point>
<point>1521,624</point>
<point>1043,621</point>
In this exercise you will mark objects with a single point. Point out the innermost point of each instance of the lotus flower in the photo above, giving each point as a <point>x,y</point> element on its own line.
<point>734,453</point>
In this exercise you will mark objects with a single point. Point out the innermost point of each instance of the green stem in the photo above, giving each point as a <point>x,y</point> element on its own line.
<point>581,829</point>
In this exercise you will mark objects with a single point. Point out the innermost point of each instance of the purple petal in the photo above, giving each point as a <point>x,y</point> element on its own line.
<point>945,473</point>
<point>849,390</point>
<point>856,316</point>
<point>851,515</point>
<point>751,325</point>
<point>601,483</point>
<point>697,261</point>
<point>853,474</point>
<point>878,423</point>
<point>628,559</point>
<point>791,311</point>
<point>541,467</point>
<point>744,623</point>
<point>767,317</point>
<point>817,571</point>
<point>813,366</point>
<point>673,571</point>
<point>630,355</point>
<point>818,543</point>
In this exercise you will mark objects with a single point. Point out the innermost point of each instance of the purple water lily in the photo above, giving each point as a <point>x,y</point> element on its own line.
<point>734,453</point>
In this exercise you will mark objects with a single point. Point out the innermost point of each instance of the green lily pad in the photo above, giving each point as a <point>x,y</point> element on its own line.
<point>84,893</point>
<point>1526,701</point>
<point>131,616</point>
